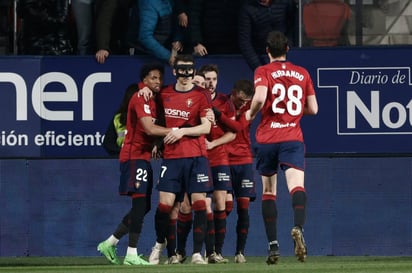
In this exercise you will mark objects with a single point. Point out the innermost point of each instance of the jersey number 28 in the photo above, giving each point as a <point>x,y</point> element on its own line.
<point>293,102</point>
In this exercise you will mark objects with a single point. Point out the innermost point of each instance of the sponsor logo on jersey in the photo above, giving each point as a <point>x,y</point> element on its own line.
<point>177,113</point>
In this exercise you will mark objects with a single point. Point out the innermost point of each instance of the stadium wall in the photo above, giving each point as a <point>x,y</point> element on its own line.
<point>58,189</point>
<point>65,207</point>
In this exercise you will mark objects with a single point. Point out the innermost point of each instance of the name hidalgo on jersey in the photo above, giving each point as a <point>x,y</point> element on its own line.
<point>177,113</point>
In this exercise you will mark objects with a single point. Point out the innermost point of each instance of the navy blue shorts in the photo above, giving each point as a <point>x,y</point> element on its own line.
<point>221,178</point>
<point>136,171</point>
<point>191,175</point>
<point>243,181</point>
<point>285,154</point>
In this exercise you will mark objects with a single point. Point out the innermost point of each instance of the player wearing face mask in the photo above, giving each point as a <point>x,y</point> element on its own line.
<point>185,167</point>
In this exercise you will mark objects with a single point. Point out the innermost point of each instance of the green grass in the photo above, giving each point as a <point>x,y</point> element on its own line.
<point>254,264</point>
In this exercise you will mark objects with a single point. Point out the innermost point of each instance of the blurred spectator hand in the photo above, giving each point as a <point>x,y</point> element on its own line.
<point>102,55</point>
<point>177,46</point>
<point>172,57</point>
<point>199,50</point>
<point>183,20</point>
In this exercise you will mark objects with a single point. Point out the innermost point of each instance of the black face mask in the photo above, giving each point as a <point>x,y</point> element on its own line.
<point>185,70</point>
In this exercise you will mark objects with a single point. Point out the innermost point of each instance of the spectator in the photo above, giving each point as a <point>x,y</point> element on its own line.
<point>112,19</point>
<point>84,16</point>
<point>219,27</point>
<point>256,19</point>
<point>158,30</point>
<point>190,17</point>
<point>6,26</point>
<point>45,29</point>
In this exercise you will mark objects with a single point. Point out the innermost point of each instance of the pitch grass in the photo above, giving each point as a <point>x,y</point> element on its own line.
<point>254,264</point>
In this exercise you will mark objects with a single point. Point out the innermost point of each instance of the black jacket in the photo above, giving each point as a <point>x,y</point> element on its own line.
<point>220,26</point>
<point>112,22</point>
<point>45,28</point>
<point>193,35</point>
<point>256,21</point>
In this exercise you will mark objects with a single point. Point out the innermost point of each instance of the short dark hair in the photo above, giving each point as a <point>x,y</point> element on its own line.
<point>244,85</point>
<point>147,68</point>
<point>277,44</point>
<point>199,74</point>
<point>186,58</point>
<point>208,68</point>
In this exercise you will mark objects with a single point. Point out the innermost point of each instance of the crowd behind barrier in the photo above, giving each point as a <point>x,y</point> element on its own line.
<point>58,27</point>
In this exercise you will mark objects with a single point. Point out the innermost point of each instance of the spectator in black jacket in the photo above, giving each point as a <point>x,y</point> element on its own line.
<point>256,19</point>
<point>190,18</point>
<point>220,26</point>
<point>112,23</point>
<point>45,29</point>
